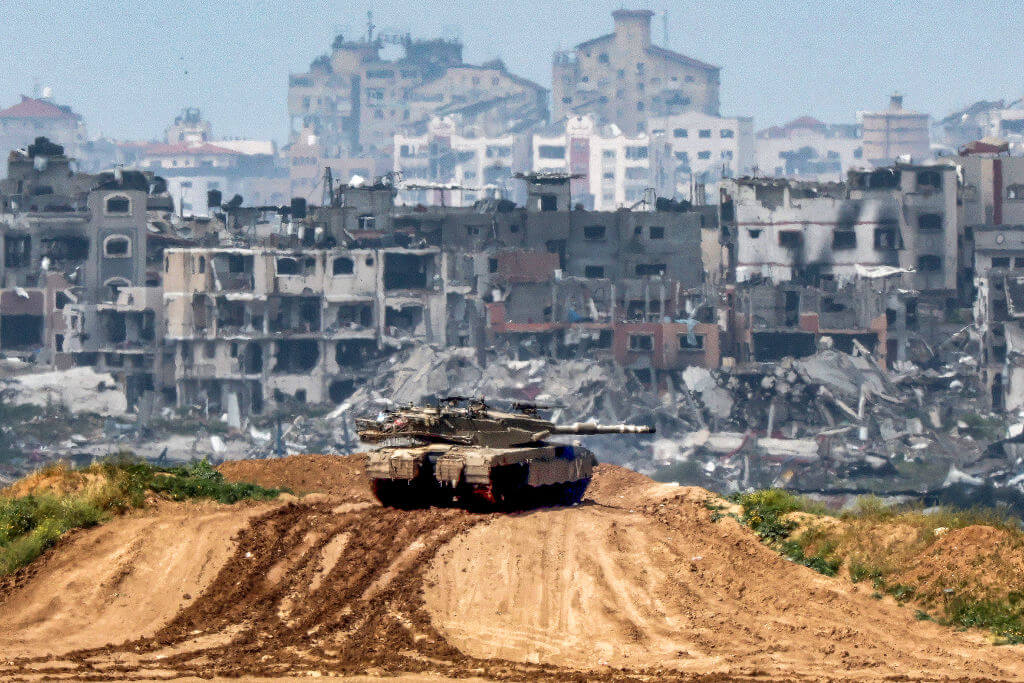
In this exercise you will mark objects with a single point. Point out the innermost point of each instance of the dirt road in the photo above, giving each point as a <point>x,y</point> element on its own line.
<point>636,584</point>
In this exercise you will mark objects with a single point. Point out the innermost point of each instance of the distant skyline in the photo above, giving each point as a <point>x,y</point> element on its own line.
<point>130,68</point>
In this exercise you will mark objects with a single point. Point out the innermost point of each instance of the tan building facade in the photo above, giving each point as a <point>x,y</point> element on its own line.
<point>894,133</point>
<point>623,78</point>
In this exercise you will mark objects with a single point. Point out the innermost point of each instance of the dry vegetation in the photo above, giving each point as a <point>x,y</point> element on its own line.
<point>960,567</point>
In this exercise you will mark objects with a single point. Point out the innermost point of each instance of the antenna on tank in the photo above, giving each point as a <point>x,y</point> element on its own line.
<point>664,29</point>
<point>369,26</point>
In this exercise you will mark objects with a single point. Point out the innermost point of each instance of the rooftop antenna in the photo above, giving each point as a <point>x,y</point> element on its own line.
<point>664,29</point>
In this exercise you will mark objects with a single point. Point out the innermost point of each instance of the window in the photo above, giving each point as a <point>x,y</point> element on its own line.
<point>685,343</point>
<point>639,106</point>
<point>929,263</point>
<point>704,133</point>
<point>1000,261</point>
<point>844,239</point>
<point>342,266</point>
<point>119,204</point>
<point>649,269</point>
<point>1018,262</point>
<point>593,271</point>
<point>636,173</point>
<point>594,232</point>
<point>929,222</point>
<point>608,154</point>
<point>682,156</point>
<point>790,239</point>
<point>885,238</point>
<point>636,152</point>
<point>657,232</point>
<point>492,265</point>
<point>117,246</point>
<point>603,58</point>
<point>1015,192</point>
<point>641,342</point>
<point>202,264</point>
<point>680,133</point>
<point>17,251</point>
<point>832,155</point>
<point>706,154</point>
<point>929,180</point>
<point>548,202</point>
<point>727,133</point>
<point>551,151</point>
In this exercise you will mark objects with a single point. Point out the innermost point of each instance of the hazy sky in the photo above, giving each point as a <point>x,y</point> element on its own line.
<point>129,67</point>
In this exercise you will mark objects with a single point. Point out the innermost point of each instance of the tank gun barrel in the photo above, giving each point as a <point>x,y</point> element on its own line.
<point>594,428</point>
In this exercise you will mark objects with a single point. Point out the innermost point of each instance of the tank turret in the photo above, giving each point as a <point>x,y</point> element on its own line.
<point>463,449</point>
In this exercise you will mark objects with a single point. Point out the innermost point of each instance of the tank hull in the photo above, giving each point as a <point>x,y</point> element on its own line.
<point>517,477</point>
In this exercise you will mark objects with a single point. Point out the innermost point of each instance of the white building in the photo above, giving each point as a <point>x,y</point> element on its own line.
<point>614,170</point>
<point>808,149</point>
<point>456,167</point>
<point>705,149</point>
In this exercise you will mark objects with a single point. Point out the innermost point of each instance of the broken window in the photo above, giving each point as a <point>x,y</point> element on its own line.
<point>239,263</point>
<point>548,202</point>
<point>354,352</point>
<point>790,239</point>
<point>753,233</point>
<point>929,263</point>
<point>342,266</point>
<point>287,265</point>
<point>65,248</point>
<point>657,232</point>
<point>686,344</point>
<point>17,251</point>
<point>929,180</point>
<point>929,222</point>
<point>1000,261</point>
<point>1018,262</point>
<point>830,305</point>
<point>340,389</point>
<point>641,342</point>
<point>593,271</point>
<point>119,204</point>
<point>1015,192</point>
<point>594,232</point>
<point>407,271</point>
<point>252,359</point>
<point>885,238</point>
<point>406,320</point>
<point>21,331</point>
<point>649,269</point>
<point>296,356</point>
<point>117,327</point>
<point>117,246</point>
<point>844,239</point>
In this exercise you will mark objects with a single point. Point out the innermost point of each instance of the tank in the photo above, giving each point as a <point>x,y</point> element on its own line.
<point>463,451</point>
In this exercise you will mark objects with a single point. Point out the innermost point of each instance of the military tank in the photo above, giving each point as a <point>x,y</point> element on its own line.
<point>461,450</point>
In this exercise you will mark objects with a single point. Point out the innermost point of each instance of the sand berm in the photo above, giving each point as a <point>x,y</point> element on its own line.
<point>637,583</point>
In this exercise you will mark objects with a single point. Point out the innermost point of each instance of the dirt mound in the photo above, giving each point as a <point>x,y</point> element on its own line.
<point>593,586</point>
<point>119,581</point>
<point>980,560</point>
<point>638,583</point>
<point>57,480</point>
<point>337,475</point>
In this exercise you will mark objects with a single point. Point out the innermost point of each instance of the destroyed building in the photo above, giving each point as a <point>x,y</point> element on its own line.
<point>903,216</point>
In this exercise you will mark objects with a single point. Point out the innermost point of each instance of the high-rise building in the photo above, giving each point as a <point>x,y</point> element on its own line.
<point>894,133</point>
<point>623,78</point>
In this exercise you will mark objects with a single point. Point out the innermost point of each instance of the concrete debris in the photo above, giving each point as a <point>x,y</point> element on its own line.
<point>76,388</point>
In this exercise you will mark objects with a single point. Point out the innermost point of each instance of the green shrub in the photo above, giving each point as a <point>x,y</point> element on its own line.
<point>1005,618</point>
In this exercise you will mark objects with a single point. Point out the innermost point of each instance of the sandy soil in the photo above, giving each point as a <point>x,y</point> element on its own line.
<point>635,584</point>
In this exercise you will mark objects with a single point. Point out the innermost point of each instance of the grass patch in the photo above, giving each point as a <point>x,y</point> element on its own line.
<point>1005,618</point>
<point>32,523</point>
<point>765,512</point>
